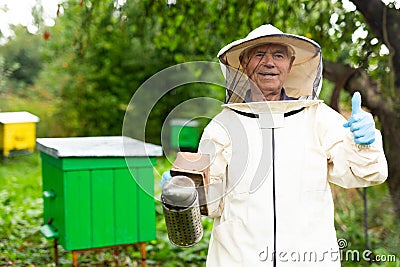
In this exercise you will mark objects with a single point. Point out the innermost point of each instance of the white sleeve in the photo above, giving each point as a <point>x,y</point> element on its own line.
<point>350,166</point>
<point>215,141</point>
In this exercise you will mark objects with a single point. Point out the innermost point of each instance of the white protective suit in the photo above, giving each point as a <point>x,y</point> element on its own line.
<point>272,163</point>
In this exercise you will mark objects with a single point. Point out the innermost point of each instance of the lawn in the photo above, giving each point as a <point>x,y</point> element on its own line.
<point>21,243</point>
<point>21,211</point>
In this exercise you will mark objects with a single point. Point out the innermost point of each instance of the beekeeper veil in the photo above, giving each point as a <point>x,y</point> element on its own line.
<point>304,80</point>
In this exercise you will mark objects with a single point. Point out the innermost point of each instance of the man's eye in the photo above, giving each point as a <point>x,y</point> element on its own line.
<point>279,56</point>
<point>260,55</point>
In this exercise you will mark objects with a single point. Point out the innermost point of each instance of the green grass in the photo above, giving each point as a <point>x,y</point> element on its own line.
<point>21,208</point>
<point>21,211</point>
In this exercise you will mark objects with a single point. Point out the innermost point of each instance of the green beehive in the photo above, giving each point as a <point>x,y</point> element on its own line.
<point>185,134</point>
<point>98,191</point>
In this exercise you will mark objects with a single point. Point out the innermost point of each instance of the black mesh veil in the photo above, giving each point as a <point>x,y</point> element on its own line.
<point>302,82</point>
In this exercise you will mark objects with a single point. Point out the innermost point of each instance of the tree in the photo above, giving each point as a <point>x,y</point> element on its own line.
<point>23,62</point>
<point>380,88</point>
<point>101,52</point>
<point>104,51</point>
<point>351,62</point>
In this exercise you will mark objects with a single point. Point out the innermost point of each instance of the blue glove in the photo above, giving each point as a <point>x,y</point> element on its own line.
<point>361,123</point>
<point>165,176</point>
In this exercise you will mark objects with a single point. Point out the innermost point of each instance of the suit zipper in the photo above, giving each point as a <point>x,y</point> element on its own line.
<point>273,193</point>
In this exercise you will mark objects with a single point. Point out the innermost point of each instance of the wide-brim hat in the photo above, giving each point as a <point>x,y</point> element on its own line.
<point>304,78</point>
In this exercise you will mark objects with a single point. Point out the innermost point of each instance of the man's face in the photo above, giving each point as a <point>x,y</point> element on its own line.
<point>267,66</point>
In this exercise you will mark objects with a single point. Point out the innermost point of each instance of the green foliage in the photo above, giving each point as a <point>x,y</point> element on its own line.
<point>107,52</point>
<point>21,211</point>
<point>22,62</point>
<point>351,42</point>
<point>5,73</point>
<point>40,105</point>
<point>382,229</point>
<point>101,52</point>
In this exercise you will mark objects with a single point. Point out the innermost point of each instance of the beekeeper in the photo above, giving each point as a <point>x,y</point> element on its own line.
<point>275,149</point>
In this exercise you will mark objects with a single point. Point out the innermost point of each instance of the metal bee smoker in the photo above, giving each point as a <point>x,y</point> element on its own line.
<point>184,199</point>
<point>181,211</point>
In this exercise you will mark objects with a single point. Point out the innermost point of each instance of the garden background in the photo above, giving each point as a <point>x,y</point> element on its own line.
<point>79,75</point>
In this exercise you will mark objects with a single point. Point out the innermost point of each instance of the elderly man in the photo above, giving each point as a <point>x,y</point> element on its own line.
<point>275,148</point>
<point>267,65</point>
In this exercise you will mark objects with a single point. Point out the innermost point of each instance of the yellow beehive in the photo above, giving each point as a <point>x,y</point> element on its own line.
<point>17,131</point>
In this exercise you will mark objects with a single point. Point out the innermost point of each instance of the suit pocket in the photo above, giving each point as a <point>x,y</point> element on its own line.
<point>227,238</point>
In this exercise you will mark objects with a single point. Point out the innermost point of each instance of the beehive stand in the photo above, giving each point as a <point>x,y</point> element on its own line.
<point>98,192</point>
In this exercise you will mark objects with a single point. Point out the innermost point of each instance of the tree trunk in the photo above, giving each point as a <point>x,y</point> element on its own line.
<point>390,131</point>
<point>385,24</point>
<point>386,111</point>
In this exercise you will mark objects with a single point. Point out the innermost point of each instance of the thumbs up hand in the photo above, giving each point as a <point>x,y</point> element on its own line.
<point>361,123</point>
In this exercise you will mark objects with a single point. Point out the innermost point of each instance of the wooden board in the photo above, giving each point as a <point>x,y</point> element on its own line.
<point>196,166</point>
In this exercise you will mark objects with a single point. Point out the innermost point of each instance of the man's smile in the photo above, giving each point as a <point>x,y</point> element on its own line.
<point>267,74</point>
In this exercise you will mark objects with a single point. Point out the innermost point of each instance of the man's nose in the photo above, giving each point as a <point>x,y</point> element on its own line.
<point>268,60</point>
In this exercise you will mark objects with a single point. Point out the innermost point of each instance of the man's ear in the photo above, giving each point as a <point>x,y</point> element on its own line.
<point>291,62</point>
<point>242,60</point>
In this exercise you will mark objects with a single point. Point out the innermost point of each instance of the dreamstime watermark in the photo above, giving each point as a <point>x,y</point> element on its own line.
<point>340,253</point>
<point>367,255</point>
<point>299,256</point>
